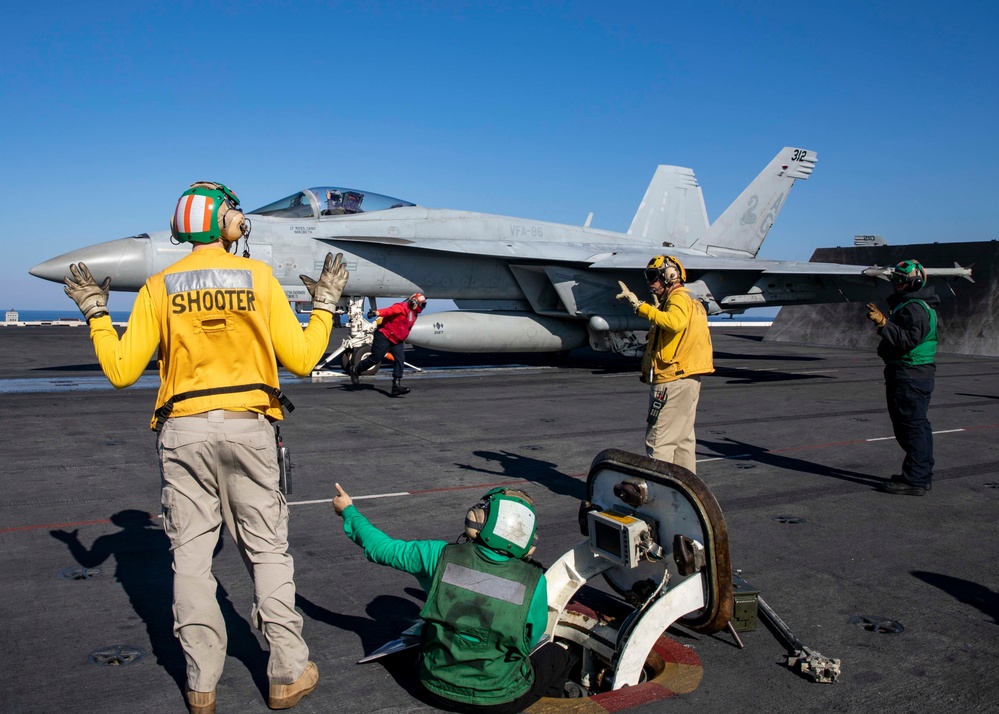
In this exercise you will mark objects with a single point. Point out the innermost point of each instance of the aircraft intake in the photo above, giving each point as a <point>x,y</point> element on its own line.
<point>468,331</point>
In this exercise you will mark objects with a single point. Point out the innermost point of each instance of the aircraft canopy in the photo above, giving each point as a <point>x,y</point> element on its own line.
<point>329,201</point>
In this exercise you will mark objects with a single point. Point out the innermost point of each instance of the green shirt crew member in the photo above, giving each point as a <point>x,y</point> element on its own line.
<point>908,348</point>
<point>487,606</point>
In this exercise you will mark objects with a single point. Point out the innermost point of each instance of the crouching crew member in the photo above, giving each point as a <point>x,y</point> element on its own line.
<point>908,347</point>
<point>677,353</point>
<point>220,322</point>
<point>395,323</point>
<point>487,606</point>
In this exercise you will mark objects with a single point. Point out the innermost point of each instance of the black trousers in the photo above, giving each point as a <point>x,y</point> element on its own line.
<point>552,664</point>
<point>908,402</point>
<point>379,346</point>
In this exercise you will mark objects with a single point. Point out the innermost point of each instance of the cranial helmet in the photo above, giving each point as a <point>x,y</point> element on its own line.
<point>665,268</point>
<point>909,273</point>
<point>417,301</point>
<point>207,212</point>
<point>504,520</point>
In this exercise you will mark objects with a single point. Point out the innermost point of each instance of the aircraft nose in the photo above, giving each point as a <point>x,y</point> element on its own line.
<point>127,260</point>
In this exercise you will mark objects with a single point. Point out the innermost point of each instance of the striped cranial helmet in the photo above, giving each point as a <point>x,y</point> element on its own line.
<point>207,212</point>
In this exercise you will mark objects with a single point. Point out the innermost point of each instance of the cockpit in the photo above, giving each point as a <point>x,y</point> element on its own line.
<point>325,201</point>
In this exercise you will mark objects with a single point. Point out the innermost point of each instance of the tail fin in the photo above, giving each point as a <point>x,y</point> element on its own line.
<point>672,210</point>
<point>741,229</point>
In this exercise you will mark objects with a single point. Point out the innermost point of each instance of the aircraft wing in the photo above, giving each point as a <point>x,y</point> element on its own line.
<point>698,264</point>
<point>572,252</point>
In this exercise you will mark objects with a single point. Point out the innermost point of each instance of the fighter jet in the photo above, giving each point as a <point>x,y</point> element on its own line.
<point>521,285</point>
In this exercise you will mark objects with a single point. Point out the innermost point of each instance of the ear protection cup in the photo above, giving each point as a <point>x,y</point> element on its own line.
<point>475,519</point>
<point>232,223</point>
<point>674,271</point>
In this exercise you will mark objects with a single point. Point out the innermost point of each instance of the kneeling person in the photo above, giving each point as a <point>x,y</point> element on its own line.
<point>487,605</point>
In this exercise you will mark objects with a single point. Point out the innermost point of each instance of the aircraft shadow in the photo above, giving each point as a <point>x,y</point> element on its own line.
<point>543,473</point>
<point>143,567</point>
<point>731,447</point>
<point>769,358</point>
<point>741,336</point>
<point>749,376</point>
<point>966,591</point>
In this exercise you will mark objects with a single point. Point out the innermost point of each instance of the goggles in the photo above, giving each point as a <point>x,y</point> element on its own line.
<point>652,276</point>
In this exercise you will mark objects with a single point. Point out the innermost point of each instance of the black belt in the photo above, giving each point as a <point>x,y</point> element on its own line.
<point>163,413</point>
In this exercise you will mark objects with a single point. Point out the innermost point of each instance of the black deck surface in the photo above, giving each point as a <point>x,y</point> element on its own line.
<point>783,431</point>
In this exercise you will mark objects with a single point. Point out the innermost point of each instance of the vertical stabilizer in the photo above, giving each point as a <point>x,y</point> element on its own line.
<point>672,210</point>
<point>741,230</point>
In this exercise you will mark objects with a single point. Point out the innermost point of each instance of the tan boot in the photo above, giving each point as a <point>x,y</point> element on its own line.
<point>285,696</point>
<point>200,702</point>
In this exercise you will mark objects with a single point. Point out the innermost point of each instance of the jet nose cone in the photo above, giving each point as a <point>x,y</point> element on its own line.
<point>127,261</point>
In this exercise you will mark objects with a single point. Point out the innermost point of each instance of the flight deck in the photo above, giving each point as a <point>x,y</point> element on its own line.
<point>792,441</point>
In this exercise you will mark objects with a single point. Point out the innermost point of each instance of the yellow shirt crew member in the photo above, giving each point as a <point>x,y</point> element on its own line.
<point>221,323</point>
<point>677,352</point>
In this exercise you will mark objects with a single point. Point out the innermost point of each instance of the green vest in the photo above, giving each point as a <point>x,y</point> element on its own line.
<point>925,351</point>
<point>476,645</point>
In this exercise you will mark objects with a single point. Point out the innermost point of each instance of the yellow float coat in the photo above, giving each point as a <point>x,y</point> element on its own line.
<point>219,320</point>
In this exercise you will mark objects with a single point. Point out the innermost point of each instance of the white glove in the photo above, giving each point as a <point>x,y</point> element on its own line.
<point>626,294</point>
<point>91,298</point>
<point>326,291</point>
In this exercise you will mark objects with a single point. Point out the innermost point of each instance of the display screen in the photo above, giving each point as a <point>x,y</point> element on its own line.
<point>607,538</point>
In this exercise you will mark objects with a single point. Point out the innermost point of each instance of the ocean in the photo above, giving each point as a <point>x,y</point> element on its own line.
<point>69,314</point>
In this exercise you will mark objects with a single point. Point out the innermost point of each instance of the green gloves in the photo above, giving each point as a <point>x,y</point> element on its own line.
<point>875,315</point>
<point>626,294</point>
<point>326,291</point>
<point>91,298</point>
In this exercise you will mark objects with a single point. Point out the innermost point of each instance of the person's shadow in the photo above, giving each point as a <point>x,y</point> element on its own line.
<point>144,569</point>
<point>543,473</point>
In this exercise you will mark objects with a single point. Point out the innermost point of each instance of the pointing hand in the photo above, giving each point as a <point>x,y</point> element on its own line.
<point>626,294</point>
<point>341,500</point>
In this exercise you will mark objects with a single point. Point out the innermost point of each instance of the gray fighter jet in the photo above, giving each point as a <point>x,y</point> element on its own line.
<point>522,285</point>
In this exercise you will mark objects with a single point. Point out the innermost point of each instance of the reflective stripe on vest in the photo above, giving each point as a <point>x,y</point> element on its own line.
<point>484,584</point>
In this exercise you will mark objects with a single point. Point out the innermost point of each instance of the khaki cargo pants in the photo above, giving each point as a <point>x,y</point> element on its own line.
<point>671,436</point>
<point>218,468</point>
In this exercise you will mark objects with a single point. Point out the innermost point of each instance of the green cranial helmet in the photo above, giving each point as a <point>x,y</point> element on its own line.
<point>504,520</point>
<point>207,212</point>
<point>909,273</point>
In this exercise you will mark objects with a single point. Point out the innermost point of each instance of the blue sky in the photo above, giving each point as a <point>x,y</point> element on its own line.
<point>545,110</point>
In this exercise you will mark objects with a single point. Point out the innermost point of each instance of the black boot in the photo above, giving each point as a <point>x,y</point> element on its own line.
<point>355,377</point>
<point>397,389</point>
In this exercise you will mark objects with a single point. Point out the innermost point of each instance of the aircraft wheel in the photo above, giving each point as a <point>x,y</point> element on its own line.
<point>358,355</point>
<point>345,360</point>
